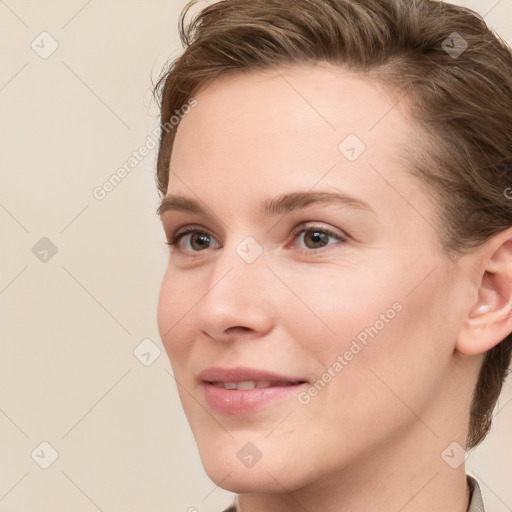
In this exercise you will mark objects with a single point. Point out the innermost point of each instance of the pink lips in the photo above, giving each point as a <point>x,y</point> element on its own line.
<point>270,387</point>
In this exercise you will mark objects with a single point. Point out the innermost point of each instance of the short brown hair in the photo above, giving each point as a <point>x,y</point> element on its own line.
<point>462,103</point>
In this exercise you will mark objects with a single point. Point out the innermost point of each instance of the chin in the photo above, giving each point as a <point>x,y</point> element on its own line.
<point>229,465</point>
<point>240,482</point>
<point>238,479</point>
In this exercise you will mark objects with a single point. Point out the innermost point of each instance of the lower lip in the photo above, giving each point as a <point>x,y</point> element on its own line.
<point>245,401</point>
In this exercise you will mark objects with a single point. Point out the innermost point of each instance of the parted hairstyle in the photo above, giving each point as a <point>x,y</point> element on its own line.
<point>459,99</point>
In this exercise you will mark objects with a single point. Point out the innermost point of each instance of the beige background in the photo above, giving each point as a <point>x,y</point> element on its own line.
<point>69,326</point>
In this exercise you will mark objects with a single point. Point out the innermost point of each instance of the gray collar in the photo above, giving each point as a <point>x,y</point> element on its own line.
<point>475,503</point>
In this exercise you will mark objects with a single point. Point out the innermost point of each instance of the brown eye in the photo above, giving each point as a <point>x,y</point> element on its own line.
<point>196,239</point>
<point>199,241</point>
<point>313,239</point>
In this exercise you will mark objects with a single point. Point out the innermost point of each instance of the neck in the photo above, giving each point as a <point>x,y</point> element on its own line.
<point>407,475</point>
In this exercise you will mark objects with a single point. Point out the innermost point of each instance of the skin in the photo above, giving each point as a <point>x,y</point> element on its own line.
<point>372,438</point>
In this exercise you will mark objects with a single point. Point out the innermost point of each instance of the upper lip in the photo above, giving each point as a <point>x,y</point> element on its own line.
<point>243,374</point>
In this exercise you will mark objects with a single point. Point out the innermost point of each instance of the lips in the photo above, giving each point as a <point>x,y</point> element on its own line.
<point>244,377</point>
<point>243,390</point>
<point>251,384</point>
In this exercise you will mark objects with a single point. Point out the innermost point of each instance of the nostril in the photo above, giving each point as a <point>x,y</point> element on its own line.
<point>237,328</point>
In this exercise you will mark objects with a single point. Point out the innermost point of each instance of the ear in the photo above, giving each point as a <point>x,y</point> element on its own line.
<point>489,319</point>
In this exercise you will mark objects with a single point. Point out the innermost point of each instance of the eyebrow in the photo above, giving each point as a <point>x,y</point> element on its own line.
<point>276,205</point>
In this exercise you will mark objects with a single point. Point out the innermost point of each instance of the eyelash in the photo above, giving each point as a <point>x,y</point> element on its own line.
<point>302,228</point>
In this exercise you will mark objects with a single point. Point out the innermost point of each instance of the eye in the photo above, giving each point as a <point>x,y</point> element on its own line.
<point>315,237</point>
<point>193,239</point>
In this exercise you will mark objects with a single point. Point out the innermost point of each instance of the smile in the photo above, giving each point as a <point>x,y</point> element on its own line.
<point>251,384</point>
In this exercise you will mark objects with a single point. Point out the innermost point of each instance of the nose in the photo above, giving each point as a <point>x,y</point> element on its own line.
<point>238,301</point>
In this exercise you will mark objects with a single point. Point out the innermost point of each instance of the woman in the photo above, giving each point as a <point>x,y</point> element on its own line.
<point>337,303</point>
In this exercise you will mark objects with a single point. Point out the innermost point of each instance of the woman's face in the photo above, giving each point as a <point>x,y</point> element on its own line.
<point>312,275</point>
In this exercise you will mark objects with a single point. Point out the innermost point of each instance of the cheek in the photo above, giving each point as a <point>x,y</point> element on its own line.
<point>369,326</point>
<point>174,303</point>
<point>342,305</point>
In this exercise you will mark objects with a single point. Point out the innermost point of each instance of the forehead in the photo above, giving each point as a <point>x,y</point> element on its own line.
<point>308,108</point>
<point>262,132</point>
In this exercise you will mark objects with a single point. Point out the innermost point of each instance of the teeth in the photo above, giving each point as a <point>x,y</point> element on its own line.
<point>263,384</point>
<point>248,384</point>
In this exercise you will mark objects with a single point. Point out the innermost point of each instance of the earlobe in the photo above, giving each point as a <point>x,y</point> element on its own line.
<point>489,319</point>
